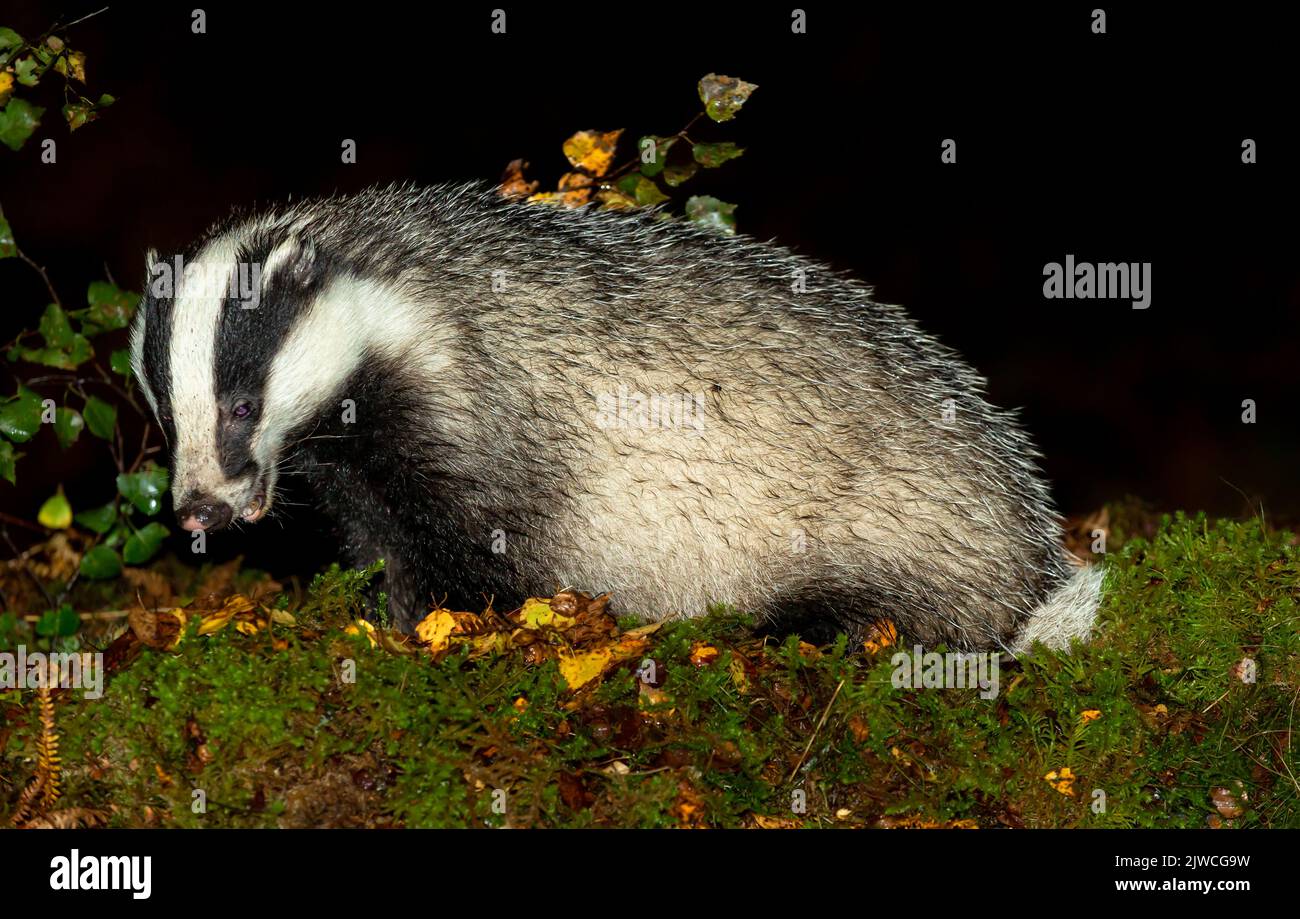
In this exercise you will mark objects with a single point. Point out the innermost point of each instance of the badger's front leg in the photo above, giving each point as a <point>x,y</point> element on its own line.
<point>404,602</point>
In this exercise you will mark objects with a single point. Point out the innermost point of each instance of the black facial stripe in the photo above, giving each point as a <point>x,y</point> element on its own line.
<point>249,337</point>
<point>157,349</point>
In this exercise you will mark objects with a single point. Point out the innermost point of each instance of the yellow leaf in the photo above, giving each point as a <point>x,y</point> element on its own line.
<point>537,614</point>
<point>702,654</point>
<point>739,678</point>
<point>435,629</point>
<point>881,636</point>
<point>56,513</point>
<point>575,198</point>
<point>592,151</point>
<point>580,669</point>
<point>361,627</point>
<point>216,621</point>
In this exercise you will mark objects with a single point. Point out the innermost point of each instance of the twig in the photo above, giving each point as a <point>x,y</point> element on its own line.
<point>817,729</point>
<point>44,277</point>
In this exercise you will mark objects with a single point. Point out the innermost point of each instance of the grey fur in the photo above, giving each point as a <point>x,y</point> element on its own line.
<point>822,413</point>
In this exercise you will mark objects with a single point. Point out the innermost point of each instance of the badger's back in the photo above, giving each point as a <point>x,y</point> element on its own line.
<point>796,444</point>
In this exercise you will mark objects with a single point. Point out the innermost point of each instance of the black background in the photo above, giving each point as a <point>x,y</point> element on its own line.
<point>1116,147</point>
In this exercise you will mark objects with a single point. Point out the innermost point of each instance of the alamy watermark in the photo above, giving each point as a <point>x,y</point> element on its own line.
<point>1103,281</point>
<point>22,669</point>
<point>241,281</point>
<point>921,669</point>
<point>661,411</point>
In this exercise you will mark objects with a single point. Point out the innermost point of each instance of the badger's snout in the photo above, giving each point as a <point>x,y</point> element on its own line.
<point>204,514</point>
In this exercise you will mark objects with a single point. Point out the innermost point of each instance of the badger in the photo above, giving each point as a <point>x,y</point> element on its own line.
<point>500,399</point>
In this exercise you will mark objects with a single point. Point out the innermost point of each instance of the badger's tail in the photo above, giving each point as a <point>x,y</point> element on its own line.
<point>1068,613</point>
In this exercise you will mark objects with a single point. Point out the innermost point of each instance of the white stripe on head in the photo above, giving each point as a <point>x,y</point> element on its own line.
<point>196,316</point>
<point>349,320</point>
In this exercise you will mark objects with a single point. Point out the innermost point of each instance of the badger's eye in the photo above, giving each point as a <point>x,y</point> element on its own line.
<point>243,409</point>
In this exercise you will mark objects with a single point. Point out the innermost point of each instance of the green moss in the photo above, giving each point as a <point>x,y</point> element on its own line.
<point>271,732</point>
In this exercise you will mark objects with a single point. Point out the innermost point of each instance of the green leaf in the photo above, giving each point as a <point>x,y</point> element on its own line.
<point>647,193</point>
<point>723,96</point>
<point>675,175</point>
<point>56,512</point>
<point>101,562</point>
<point>100,519</point>
<point>8,246</point>
<point>143,545</point>
<point>63,621</point>
<point>101,417</point>
<point>9,41</point>
<point>27,71</point>
<point>67,426</point>
<point>77,353</point>
<point>144,489</point>
<point>110,307</point>
<point>18,120</point>
<point>55,327</point>
<point>711,156</point>
<point>661,148</point>
<point>8,462</point>
<point>712,214</point>
<point>20,417</point>
<point>78,114</point>
<point>120,362</point>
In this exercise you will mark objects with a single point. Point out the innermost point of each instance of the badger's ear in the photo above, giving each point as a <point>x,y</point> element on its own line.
<point>294,261</point>
<point>158,280</point>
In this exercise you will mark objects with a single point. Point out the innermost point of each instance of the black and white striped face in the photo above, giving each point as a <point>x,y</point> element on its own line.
<point>237,348</point>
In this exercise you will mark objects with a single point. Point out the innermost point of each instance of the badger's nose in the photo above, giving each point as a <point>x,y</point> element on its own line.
<point>204,516</point>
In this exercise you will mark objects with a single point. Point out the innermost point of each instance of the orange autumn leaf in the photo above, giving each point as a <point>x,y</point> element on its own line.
<point>592,151</point>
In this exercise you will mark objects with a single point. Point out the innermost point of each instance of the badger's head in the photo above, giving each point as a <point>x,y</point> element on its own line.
<point>237,357</point>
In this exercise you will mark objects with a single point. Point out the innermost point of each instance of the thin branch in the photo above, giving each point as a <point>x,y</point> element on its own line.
<point>816,731</point>
<point>44,277</point>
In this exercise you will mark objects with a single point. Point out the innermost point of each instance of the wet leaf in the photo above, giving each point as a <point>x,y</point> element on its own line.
<point>675,175</point>
<point>513,184</point>
<point>592,151</point>
<point>659,158</point>
<point>67,426</point>
<point>436,629</point>
<point>28,71</point>
<point>723,96</point>
<point>20,417</point>
<point>120,362</point>
<point>110,308</point>
<point>101,417</point>
<point>144,489</point>
<point>143,545</point>
<point>537,614</point>
<point>580,669</point>
<point>710,156</point>
<point>18,120</point>
<point>712,214</point>
<point>10,41</point>
<point>55,327</point>
<point>99,520</point>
